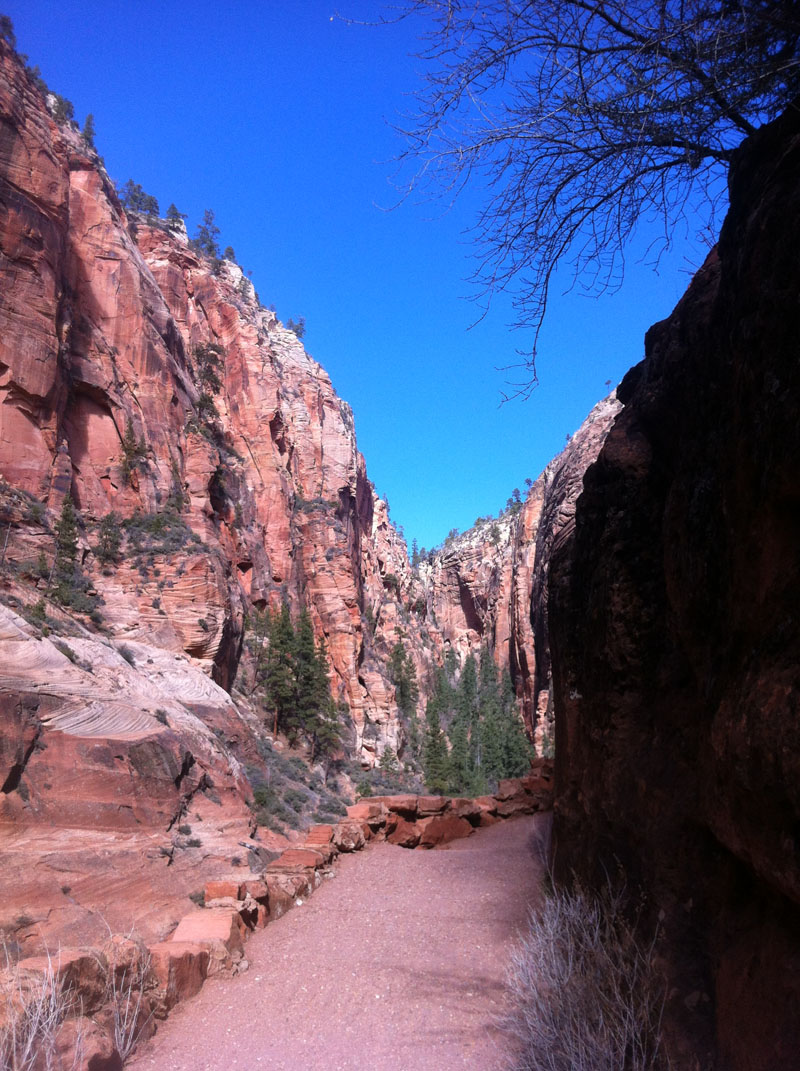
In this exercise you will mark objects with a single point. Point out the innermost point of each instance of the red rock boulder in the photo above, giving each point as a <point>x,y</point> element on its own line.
<point>349,836</point>
<point>405,834</point>
<point>178,969</point>
<point>441,829</point>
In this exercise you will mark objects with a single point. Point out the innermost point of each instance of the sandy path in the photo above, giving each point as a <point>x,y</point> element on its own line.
<point>396,964</point>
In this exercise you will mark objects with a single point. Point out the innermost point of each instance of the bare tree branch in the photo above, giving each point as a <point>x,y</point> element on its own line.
<point>579,117</point>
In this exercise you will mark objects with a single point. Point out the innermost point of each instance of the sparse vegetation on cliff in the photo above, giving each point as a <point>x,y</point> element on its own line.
<point>134,198</point>
<point>134,453</point>
<point>404,676</point>
<point>206,236</point>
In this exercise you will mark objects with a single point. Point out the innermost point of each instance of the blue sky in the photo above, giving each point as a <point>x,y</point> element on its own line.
<point>279,118</point>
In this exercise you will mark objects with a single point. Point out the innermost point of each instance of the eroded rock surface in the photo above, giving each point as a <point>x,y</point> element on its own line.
<point>676,637</point>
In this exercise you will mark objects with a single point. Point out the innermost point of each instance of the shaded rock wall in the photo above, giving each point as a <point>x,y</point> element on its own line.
<point>676,636</point>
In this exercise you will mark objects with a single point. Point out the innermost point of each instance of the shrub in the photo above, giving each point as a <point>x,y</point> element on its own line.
<point>125,993</point>
<point>586,995</point>
<point>127,654</point>
<point>109,539</point>
<point>36,1008</point>
<point>35,513</point>
<point>134,453</point>
<point>66,650</point>
<point>63,109</point>
<point>295,798</point>
<point>332,805</point>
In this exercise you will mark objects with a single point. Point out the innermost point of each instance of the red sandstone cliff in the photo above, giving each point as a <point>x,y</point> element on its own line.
<point>118,733</point>
<point>101,316</point>
<point>676,639</point>
<point>490,584</point>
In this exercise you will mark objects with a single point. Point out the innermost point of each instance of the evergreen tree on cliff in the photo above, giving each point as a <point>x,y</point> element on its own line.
<point>434,751</point>
<point>66,541</point>
<point>516,748</point>
<point>312,696</point>
<point>277,674</point>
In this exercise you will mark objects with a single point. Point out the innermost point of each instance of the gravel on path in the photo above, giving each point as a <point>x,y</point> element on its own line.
<point>395,964</point>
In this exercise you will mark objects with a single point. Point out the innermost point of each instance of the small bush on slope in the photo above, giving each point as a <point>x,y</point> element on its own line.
<point>585,992</point>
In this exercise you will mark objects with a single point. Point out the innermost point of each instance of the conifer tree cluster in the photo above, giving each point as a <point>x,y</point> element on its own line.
<point>291,677</point>
<point>404,678</point>
<point>485,740</point>
<point>134,197</point>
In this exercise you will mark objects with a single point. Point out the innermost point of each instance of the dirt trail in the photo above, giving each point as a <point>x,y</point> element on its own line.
<point>396,964</point>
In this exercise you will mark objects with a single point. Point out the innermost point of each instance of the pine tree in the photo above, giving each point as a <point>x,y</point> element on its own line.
<point>467,692</point>
<point>311,690</point>
<point>207,235</point>
<point>414,553</point>
<point>459,765</point>
<point>492,751</point>
<point>66,540</point>
<point>209,363</point>
<point>88,133</point>
<point>174,218</point>
<point>327,736</point>
<point>278,674</point>
<point>7,30</point>
<point>135,199</point>
<point>517,750</point>
<point>109,539</point>
<point>133,452</point>
<point>434,751</point>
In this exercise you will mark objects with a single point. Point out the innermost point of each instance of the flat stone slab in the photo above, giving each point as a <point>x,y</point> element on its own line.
<point>431,804</point>
<point>405,805</point>
<point>212,926</point>
<point>220,890</point>
<point>296,859</point>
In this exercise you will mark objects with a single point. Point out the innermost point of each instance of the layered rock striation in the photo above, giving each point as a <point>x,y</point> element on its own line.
<point>676,638</point>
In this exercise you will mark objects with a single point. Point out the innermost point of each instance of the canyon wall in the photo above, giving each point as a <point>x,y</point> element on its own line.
<point>490,584</point>
<point>676,636</point>
<point>126,723</point>
<point>102,316</point>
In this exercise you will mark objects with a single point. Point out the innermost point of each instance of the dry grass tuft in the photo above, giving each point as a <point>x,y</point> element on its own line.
<point>33,1009</point>
<point>586,994</point>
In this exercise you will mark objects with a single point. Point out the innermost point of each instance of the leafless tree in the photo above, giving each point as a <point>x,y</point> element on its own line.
<point>578,117</point>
